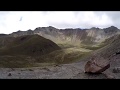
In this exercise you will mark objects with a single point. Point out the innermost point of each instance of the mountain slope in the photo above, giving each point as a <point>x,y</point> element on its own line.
<point>29,45</point>
<point>25,51</point>
<point>110,52</point>
<point>72,36</point>
<point>34,44</point>
<point>111,48</point>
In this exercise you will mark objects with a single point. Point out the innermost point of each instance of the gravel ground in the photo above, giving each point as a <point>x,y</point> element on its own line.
<point>65,71</point>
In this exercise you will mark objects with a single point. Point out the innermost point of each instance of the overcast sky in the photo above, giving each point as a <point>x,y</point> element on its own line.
<point>11,21</point>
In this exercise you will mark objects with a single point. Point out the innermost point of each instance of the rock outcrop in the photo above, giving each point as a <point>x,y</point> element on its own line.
<point>97,65</point>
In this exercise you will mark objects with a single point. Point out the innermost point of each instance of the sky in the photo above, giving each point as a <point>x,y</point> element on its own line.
<point>12,21</point>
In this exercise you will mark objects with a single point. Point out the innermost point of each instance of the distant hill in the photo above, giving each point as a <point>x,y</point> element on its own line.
<point>4,40</point>
<point>74,36</point>
<point>24,51</point>
<point>41,45</point>
<point>28,45</point>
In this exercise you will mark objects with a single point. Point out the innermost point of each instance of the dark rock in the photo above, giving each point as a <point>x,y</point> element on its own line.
<point>57,65</point>
<point>117,53</point>
<point>9,74</point>
<point>116,70</point>
<point>31,70</point>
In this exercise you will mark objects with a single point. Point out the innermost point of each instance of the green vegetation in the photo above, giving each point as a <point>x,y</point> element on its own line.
<point>23,51</point>
<point>34,51</point>
<point>95,47</point>
<point>31,45</point>
<point>65,55</point>
<point>15,61</point>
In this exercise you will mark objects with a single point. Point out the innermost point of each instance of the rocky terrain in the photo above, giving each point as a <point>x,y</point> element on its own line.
<point>70,35</point>
<point>65,71</point>
<point>61,53</point>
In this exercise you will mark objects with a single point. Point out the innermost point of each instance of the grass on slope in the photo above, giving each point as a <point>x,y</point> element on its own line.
<point>31,45</point>
<point>68,54</point>
<point>15,61</point>
<point>65,55</point>
<point>95,47</point>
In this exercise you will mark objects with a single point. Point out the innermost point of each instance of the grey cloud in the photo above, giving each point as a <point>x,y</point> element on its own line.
<point>114,16</point>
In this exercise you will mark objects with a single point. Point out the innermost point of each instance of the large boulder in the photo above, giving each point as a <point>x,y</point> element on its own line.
<point>97,65</point>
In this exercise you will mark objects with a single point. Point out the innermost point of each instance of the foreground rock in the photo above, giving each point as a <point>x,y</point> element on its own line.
<point>97,65</point>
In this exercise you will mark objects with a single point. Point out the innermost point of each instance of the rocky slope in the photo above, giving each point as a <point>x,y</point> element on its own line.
<point>65,71</point>
<point>73,36</point>
<point>22,45</point>
<point>109,53</point>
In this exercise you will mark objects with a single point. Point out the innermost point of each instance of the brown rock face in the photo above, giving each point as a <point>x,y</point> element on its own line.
<point>96,65</point>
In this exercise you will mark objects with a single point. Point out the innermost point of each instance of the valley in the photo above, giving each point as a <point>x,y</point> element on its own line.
<point>48,52</point>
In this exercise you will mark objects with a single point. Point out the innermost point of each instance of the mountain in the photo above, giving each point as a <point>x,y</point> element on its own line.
<point>21,33</point>
<point>74,36</point>
<point>109,53</point>
<point>32,45</point>
<point>111,29</point>
<point>37,44</point>
<point>4,40</point>
<point>25,51</point>
<point>110,49</point>
<point>3,35</point>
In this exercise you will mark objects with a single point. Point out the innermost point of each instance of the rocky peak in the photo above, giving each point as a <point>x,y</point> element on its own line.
<point>45,28</point>
<point>51,27</point>
<point>111,29</point>
<point>94,28</point>
<point>30,30</point>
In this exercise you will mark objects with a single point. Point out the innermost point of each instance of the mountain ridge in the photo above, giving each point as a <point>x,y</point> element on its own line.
<point>59,29</point>
<point>91,36</point>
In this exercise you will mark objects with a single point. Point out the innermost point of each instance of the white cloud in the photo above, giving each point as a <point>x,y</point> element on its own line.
<point>9,21</point>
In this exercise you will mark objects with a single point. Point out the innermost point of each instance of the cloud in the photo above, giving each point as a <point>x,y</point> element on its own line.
<point>9,21</point>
